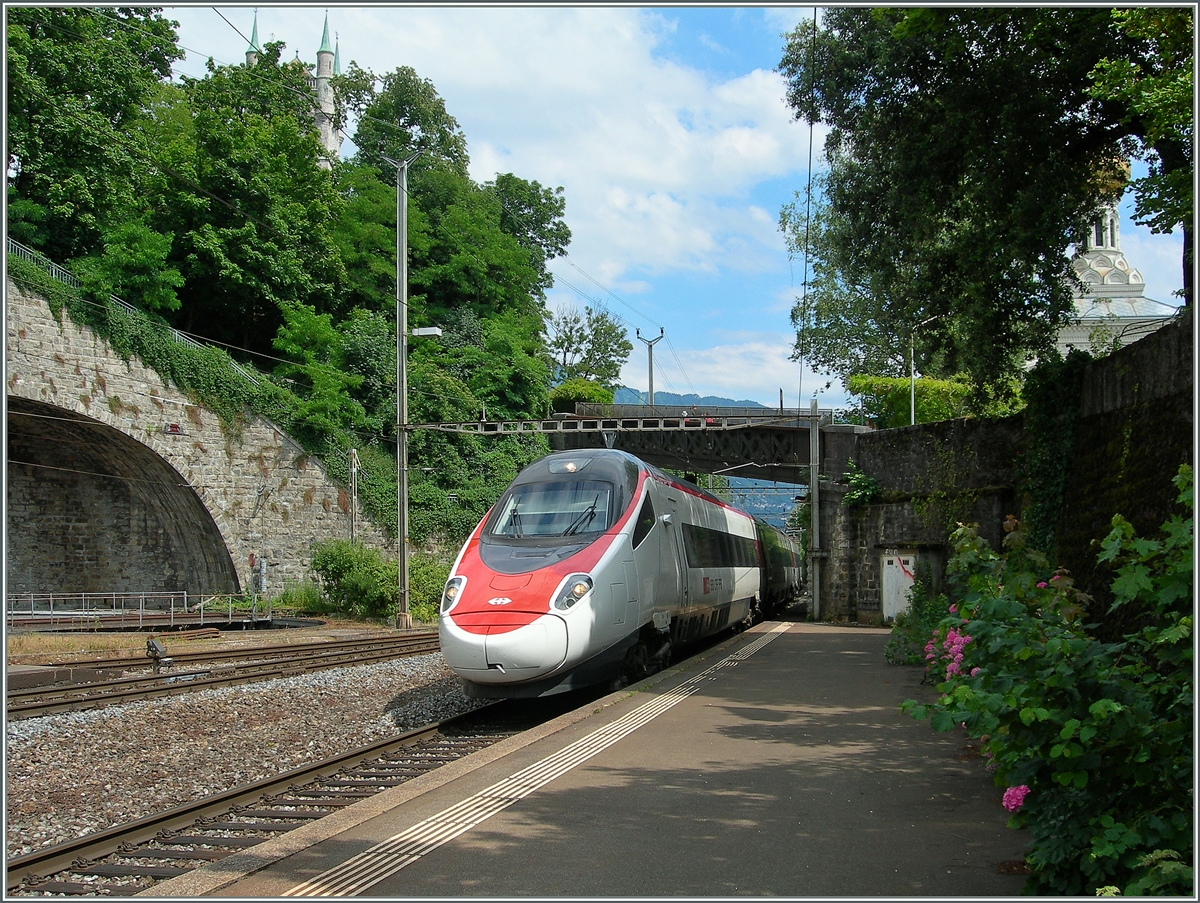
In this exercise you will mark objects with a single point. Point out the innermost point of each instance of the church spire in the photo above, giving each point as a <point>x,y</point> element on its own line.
<point>325,48</point>
<point>253,50</point>
<point>337,57</point>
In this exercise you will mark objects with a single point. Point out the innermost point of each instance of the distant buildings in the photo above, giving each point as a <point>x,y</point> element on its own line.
<point>1112,310</point>
<point>328,65</point>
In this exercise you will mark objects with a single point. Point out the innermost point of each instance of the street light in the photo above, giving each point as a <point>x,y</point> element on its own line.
<point>912,369</point>
<point>403,618</point>
<point>650,343</point>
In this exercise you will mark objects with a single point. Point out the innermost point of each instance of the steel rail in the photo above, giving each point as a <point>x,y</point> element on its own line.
<point>243,652</point>
<point>60,857</point>
<point>83,697</point>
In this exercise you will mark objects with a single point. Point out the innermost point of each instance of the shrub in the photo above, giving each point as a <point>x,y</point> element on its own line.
<point>564,396</point>
<point>907,643</point>
<point>1095,738</point>
<point>360,582</point>
<point>426,579</point>
<point>356,580</point>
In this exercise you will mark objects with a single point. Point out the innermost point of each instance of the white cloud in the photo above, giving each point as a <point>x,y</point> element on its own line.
<point>752,366</point>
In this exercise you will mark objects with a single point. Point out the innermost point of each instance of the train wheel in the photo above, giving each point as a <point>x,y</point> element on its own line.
<point>637,663</point>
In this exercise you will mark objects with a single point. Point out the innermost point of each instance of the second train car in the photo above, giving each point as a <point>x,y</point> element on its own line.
<point>594,566</point>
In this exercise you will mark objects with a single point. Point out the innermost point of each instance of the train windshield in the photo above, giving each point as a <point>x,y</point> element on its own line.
<point>557,508</point>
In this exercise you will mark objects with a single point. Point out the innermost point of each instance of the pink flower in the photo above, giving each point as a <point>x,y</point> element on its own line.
<point>1056,577</point>
<point>1014,797</point>
<point>975,671</point>
<point>953,609</point>
<point>1043,585</point>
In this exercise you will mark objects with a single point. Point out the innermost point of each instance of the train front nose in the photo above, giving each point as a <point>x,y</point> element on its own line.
<point>502,645</point>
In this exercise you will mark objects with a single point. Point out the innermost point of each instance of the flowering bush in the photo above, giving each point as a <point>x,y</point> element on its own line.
<point>906,645</point>
<point>1093,740</point>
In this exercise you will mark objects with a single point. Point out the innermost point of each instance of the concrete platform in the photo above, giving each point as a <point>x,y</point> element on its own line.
<point>778,765</point>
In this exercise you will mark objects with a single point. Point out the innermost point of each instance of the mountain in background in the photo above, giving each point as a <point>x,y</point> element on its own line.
<point>772,502</point>
<point>625,395</point>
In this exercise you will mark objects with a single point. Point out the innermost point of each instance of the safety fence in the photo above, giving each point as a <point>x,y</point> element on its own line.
<point>130,611</point>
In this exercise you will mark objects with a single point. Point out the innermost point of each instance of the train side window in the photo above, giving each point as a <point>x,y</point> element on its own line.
<point>645,522</point>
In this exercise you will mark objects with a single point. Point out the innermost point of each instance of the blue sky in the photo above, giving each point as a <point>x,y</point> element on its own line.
<point>668,131</point>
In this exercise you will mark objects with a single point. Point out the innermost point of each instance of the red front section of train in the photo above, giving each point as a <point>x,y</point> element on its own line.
<point>518,604</point>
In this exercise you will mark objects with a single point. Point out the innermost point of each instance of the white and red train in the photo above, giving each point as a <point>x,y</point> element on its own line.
<point>593,566</point>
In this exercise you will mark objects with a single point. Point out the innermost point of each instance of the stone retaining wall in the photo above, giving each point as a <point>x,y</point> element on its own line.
<point>1135,428</point>
<point>136,488</point>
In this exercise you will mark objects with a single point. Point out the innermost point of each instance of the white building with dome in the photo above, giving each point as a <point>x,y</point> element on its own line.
<point>1112,310</point>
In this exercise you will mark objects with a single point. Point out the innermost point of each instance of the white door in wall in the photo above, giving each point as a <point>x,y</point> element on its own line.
<point>899,572</point>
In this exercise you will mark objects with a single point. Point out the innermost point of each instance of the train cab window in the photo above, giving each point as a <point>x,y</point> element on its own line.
<point>645,522</point>
<point>558,508</point>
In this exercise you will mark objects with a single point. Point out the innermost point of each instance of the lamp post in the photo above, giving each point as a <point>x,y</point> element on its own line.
<point>403,618</point>
<point>912,369</point>
<point>650,343</point>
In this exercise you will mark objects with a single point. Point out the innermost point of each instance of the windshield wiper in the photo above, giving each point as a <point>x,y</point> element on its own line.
<point>514,521</point>
<point>585,517</point>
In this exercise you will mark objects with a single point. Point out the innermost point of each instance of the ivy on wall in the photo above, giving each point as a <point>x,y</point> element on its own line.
<point>1053,395</point>
<point>210,377</point>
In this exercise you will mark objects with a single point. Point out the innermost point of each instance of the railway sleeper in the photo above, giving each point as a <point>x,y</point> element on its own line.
<point>312,801</point>
<point>265,826</point>
<point>161,853</point>
<point>280,813</point>
<point>116,870</point>
<point>205,840</point>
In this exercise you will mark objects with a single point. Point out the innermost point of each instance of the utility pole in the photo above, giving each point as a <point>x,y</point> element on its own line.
<point>814,512</point>
<point>403,618</point>
<point>650,343</point>
<point>912,369</point>
<point>354,466</point>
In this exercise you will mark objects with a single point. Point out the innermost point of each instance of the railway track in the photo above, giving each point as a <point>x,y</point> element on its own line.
<point>129,858</point>
<point>229,667</point>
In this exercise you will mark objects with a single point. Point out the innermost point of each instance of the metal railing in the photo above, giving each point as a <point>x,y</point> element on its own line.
<point>108,610</point>
<point>16,249</point>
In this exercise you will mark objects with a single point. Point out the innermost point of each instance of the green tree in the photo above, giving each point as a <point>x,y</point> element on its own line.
<point>1156,88</point>
<point>966,153</point>
<point>534,216</point>
<point>77,79</point>
<point>404,114</point>
<point>590,346</point>
<point>314,353</point>
<point>249,204</point>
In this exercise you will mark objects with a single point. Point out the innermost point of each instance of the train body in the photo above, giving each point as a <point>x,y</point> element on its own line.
<point>594,566</point>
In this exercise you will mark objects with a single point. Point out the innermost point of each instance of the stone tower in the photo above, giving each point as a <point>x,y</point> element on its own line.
<point>328,65</point>
<point>320,81</point>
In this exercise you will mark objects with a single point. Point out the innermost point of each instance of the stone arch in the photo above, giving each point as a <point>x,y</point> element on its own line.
<point>91,509</point>
<point>267,500</point>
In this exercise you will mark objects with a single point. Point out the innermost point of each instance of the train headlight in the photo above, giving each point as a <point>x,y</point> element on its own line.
<point>573,589</point>
<point>454,587</point>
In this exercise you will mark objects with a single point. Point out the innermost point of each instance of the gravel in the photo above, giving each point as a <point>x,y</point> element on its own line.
<point>81,772</point>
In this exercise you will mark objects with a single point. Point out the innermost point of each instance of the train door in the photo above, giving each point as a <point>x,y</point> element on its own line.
<point>899,573</point>
<point>673,549</point>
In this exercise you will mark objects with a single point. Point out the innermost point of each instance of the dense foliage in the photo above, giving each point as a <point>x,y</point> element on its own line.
<point>359,581</point>
<point>967,149</point>
<point>210,205</point>
<point>1093,740</point>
